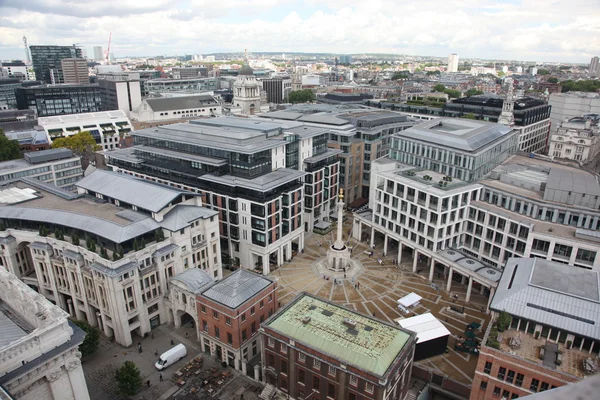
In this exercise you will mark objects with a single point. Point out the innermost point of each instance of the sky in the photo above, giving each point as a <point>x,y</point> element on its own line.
<point>532,30</point>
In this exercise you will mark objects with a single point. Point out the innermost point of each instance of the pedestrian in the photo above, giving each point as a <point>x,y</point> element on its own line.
<point>242,397</point>
<point>151,335</point>
<point>187,335</point>
<point>148,382</point>
<point>155,353</point>
<point>344,275</point>
<point>172,342</point>
<point>160,377</point>
<point>140,347</point>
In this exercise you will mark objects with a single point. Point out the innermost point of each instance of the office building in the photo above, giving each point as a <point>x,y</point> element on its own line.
<point>576,139</point>
<point>315,349</point>
<point>50,100</point>
<point>106,254</point>
<point>176,85</point>
<point>363,134</point>
<point>75,70</point>
<point>452,63</point>
<point>17,120</point>
<point>269,181</point>
<point>106,127</point>
<point>531,117</point>
<point>8,99</point>
<point>345,59</point>
<point>594,67</point>
<point>572,104</point>
<point>14,69</point>
<point>29,140</point>
<point>47,61</point>
<point>550,339</point>
<point>521,207</point>
<point>277,88</point>
<point>57,167</point>
<point>229,314</point>
<point>171,109</point>
<point>98,53</point>
<point>141,76</point>
<point>39,357</point>
<point>124,95</point>
<point>189,72</point>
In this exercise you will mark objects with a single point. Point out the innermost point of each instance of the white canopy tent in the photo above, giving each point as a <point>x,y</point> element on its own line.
<point>410,300</point>
<point>426,326</point>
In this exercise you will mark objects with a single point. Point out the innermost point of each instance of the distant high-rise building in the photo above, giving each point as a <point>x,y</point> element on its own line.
<point>534,71</point>
<point>453,62</point>
<point>75,70</point>
<point>47,61</point>
<point>345,59</point>
<point>98,53</point>
<point>594,67</point>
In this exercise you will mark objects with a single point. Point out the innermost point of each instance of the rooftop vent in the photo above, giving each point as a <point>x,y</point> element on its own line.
<point>312,308</point>
<point>368,328</point>
<point>305,320</point>
<point>349,322</point>
<point>327,313</point>
<point>352,331</point>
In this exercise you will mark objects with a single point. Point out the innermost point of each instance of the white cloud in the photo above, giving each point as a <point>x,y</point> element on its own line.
<point>533,30</point>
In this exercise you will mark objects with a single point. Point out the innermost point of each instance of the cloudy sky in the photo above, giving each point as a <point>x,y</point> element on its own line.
<point>536,30</point>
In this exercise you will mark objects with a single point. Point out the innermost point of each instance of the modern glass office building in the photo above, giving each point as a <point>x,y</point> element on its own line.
<point>50,100</point>
<point>47,61</point>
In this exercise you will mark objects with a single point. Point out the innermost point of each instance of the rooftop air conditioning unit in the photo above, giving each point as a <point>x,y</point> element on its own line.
<point>349,322</point>
<point>305,320</point>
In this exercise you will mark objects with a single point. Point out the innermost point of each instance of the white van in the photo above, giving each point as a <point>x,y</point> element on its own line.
<point>171,356</point>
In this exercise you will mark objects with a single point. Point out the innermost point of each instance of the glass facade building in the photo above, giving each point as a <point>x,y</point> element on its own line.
<point>47,61</point>
<point>49,100</point>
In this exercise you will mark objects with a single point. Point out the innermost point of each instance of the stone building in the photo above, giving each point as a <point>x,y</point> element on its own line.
<point>106,254</point>
<point>39,357</point>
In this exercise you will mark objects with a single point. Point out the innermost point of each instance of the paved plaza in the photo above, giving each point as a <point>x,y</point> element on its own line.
<point>100,368</point>
<point>377,288</point>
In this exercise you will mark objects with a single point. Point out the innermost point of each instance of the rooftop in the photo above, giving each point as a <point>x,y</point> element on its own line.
<point>38,157</point>
<point>354,339</point>
<point>181,102</point>
<point>495,101</point>
<point>262,183</point>
<point>237,288</point>
<point>552,294</point>
<point>194,278</point>
<point>84,118</point>
<point>12,328</point>
<point>460,134</point>
<point>143,194</point>
<point>426,326</point>
<point>472,264</point>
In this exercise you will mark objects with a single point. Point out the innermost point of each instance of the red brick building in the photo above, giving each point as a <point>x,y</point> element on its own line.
<point>552,337</point>
<point>229,316</point>
<point>314,349</point>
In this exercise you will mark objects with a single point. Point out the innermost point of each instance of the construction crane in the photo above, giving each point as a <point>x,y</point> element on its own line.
<point>107,54</point>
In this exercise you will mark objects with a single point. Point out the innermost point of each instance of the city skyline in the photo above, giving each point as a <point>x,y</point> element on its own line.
<point>509,30</point>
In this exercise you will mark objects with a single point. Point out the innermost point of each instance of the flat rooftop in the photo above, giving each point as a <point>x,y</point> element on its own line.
<point>461,134</point>
<point>352,338</point>
<point>85,118</point>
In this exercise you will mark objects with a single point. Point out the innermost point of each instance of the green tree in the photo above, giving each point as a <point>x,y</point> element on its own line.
<point>473,92</point>
<point>75,239</point>
<point>301,96</point>
<point>543,71</point>
<point>580,86</point>
<point>129,379</point>
<point>439,88</point>
<point>468,116</point>
<point>552,80</point>
<point>9,149</point>
<point>80,143</point>
<point>455,94</point>
<point>92,338</point>
<point>400,75</point>
<point>503,321</point>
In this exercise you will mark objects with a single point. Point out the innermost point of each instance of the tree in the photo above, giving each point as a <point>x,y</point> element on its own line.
<point>503,321</point>
<point>468,116</point>
<point>301,96</point>
<point>129,379</point>
<point>473,92</point>
<point>92,338</point>
<point>439,88</point>
<point>9,149</point>
<point>580,86</point>
<point>400,75</point>
<point>543,71</point>
<point>75,239</point>
<point>455,94</point>
<point>80,143</point>
<point>552,80</point>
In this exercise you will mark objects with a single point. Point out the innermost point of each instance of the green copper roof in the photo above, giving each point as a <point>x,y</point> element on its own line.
<point>369,345</point>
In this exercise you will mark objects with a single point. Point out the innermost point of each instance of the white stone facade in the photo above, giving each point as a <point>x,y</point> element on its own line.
<point>533,138</point>
<point>125,296</point>
<point>107,127</point>
<point>576,139</point>
<point>49,345</point>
